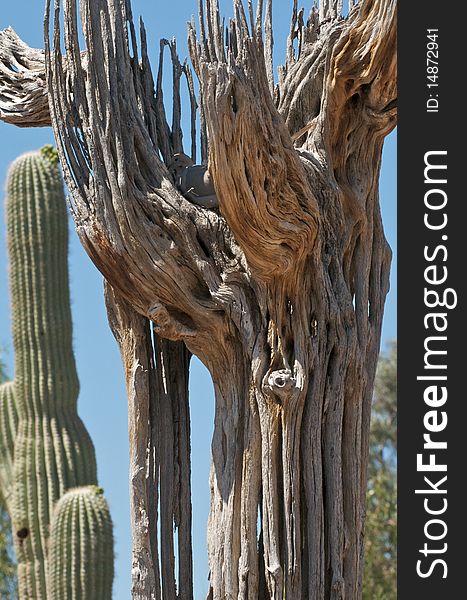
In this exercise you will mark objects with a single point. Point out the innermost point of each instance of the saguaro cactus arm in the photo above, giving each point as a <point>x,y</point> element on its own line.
<point>80,555</point>
<point>8,430</point>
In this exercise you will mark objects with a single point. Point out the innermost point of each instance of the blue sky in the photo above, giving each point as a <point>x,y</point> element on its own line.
<point>102,401</point>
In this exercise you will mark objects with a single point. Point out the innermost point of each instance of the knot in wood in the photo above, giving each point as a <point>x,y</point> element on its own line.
<point>281,383</point>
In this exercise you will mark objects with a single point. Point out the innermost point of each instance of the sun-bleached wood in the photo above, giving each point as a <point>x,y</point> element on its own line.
<point>23,90</point>
<point>280,292</point>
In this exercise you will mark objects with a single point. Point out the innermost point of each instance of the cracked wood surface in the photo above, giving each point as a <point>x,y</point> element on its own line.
<point>280,292</point>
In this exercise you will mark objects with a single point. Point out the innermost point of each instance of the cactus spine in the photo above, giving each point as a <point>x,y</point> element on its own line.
<point>80,512</point>
<point>52,449</point>
<point>8,428</point>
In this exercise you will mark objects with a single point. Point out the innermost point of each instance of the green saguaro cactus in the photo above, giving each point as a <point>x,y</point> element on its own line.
<point>53,452</point>
<point>80,513</point>
<point>8,428</point>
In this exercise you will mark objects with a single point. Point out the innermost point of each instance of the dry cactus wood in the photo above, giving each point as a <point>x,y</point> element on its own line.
<point>23,89</point>
<point>280,293</point>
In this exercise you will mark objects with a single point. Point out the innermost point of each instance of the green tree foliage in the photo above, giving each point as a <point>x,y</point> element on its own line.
<point>381,535</point>
<point>7,565</point>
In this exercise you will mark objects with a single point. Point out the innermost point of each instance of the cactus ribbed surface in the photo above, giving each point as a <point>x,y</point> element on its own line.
<point>52,450</point>
<point>81,535</point>
<point>8,428</point>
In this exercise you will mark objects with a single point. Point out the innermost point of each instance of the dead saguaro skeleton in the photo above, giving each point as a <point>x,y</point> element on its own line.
<point>280,292</point>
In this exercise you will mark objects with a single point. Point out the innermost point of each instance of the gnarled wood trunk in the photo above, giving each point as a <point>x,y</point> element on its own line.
<point>292,416</point>
<point>280,292</point>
